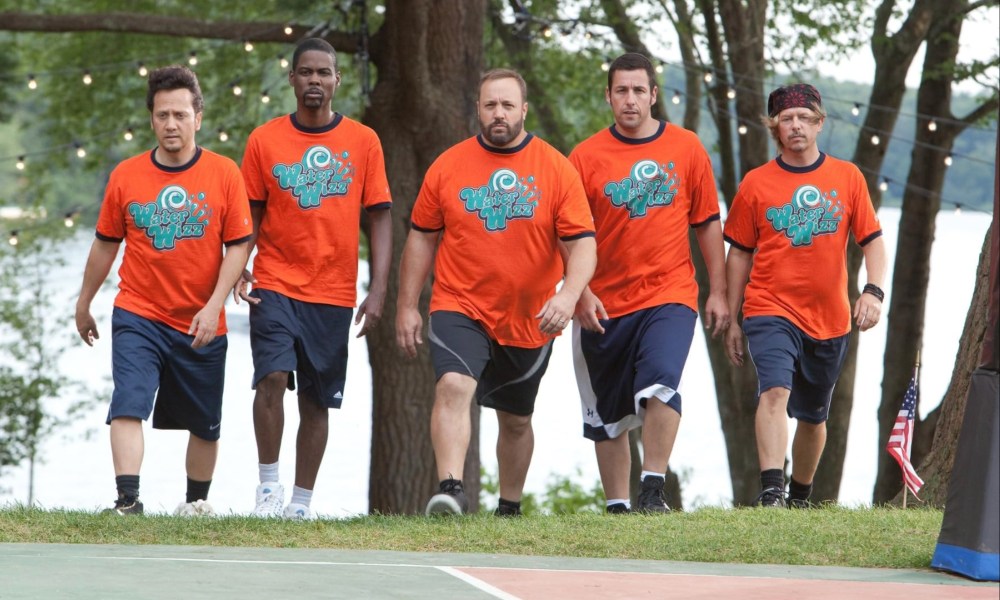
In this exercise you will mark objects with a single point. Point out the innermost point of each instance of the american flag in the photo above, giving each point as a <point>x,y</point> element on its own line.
<point>902,437</point>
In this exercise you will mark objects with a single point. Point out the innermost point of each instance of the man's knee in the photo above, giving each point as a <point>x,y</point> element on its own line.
<point>455,389</point>
<point>513,425</point>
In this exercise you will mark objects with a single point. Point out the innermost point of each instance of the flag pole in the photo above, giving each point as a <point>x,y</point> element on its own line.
<point>916,374</point>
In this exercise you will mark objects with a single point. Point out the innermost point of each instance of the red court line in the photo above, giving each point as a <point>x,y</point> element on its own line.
<point>532,584</point>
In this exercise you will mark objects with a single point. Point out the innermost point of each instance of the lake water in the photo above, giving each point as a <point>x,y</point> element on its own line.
<point>77,473</point>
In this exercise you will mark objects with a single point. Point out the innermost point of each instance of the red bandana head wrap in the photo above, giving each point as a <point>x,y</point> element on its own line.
<point>793,96</point>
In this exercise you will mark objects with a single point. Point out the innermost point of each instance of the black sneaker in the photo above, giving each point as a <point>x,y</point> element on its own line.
<point>507,510</point>
<point>799,503</point>
<point>450,500</point>
<point>771,497</point>
<point>124,506</point>
<point>651,498</point>
<point>618,508</point>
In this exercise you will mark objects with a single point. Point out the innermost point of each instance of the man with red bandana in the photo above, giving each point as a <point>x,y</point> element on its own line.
<point>788,230</point>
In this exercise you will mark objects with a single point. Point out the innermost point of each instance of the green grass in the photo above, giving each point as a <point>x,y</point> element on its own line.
<point>881,537</point>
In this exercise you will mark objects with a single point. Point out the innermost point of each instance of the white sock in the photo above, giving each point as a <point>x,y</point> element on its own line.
<point>625,501</point>
<point>301,496</point>
<point>646,474</point>
<point>268,473</point>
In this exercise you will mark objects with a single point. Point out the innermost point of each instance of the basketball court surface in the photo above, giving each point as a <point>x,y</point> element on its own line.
<point>85,572</point>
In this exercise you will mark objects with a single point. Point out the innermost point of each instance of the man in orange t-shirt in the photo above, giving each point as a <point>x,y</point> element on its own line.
<point>788,231</point>
<point>175,208</point>
<point>498,209</point>
<point>648,182</point>
<point>309,174</point>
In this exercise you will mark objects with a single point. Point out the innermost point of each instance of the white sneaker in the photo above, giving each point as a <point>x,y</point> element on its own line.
<point>298,512</point>
<point>198,508</point>
<point>270,499</point>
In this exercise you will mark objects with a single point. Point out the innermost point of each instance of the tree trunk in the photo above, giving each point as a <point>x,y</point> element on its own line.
<point>424,102</point>
<point>736,388</point>
<point>935,469</point>
<point>893,55</point>
<point>911,272</point>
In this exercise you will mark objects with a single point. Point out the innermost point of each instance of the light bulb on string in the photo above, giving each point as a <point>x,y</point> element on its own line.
<point>283,62</point>
<point>237,90</point>
<point>128,135</point>
<point>289,30</point>
<point>731,93</point>
<point>948,160</point>
<point>264,98</point>
<point>932,125</point>
<point>68,219</point>
<point>876,140</point>
<point>884,185</point>
<point>676,99</point>
<point>32,82</point>
<point>248,46</point>
<point>742,129</point>
<point>605,66</point>
<point>20,163</point>
<point>856,109</point>
<point>223,136</point>
<point>193,58</point>
<point>659,68</point>
<point>13,238</point>
<point>958,208</point>
<point>87,79</point>
<point>143,71</point>
<point>80,150</point>
<point>708,77</point>
<point>547,31</point>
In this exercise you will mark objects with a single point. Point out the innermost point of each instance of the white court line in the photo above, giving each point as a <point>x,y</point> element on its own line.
<point>454,572</point>
<point>478,584</point>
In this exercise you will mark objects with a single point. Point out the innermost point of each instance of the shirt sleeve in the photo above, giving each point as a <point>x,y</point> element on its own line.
<point>251,169</point>
<point>111,220</point>
<point>376,191</point>
<point>741,228</point>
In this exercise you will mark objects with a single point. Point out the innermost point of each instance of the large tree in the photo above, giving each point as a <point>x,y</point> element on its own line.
<point>921,202</point>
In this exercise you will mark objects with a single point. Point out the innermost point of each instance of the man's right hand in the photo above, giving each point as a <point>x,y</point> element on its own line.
<point>409,329</point>
<point>734,345</point>
<point>86,326</point>
<point>589,311</point>
<point>241,289</point>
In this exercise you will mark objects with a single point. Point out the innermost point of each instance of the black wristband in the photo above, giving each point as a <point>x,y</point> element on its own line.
<point>874,290</point>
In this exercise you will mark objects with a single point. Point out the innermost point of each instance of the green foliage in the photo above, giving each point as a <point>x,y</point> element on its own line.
<point>831,536</point>
<point>31,326</point>
<point>563,495</point>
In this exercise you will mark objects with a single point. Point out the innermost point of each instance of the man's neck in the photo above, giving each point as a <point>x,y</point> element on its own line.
<point>646,129</point>
<point>175,159</point>
<point>314,119</point>
<point>800,159</point>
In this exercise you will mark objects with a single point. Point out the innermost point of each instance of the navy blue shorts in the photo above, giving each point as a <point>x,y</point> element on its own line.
<point>508,377</point>
<point>304,339</point>
<point>154,365</point>
<point>640,355</point>
<point>786,357</point>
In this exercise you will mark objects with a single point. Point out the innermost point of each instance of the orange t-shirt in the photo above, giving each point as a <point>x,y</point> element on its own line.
<point>797,221</point>
<point>174,222</point>
<point>313,183</point>
<point>644,194</point>
<point>502,212</point>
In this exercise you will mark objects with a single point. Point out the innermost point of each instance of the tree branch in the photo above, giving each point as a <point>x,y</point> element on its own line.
<point>985,109</point>
<point>253,31</point>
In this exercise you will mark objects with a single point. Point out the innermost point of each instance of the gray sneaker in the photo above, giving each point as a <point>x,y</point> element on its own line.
<point>771,497</point>
<point>124,506</point>
<point>651,497</point>
<point>450,499</point>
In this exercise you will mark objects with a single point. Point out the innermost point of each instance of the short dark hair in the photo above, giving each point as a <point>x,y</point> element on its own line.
<point>310,44</point>
<point>632,61</point>
<point>494,74</point>
<point>174,77</point>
